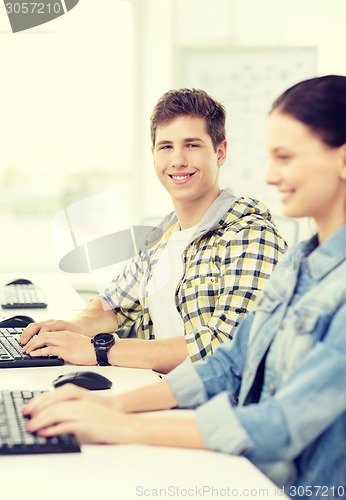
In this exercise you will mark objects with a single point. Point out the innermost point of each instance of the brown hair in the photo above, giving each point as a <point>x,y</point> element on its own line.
<point>191,102</point>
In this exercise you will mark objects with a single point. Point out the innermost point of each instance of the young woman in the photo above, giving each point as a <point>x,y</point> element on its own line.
<point>276,394</point>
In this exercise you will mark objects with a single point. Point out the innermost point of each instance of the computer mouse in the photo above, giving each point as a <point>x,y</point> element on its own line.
<point>89,380</point>
<point>20,281</point>
<point>19,321</point>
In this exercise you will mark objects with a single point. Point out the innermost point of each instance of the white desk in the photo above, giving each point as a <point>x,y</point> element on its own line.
<point>63,301</point>
<point>116,472</point>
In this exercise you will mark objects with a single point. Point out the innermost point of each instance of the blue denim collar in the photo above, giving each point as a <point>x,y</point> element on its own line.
<point>322,258</point>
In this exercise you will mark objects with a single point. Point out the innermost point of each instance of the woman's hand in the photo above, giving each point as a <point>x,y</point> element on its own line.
<point>94,419</point>
<point>71,409</point>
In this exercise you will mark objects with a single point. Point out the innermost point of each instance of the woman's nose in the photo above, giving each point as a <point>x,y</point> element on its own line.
<point>272,175</point>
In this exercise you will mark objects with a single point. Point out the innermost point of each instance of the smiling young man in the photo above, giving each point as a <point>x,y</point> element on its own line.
<point>201,269</point>
<point>188,166</point>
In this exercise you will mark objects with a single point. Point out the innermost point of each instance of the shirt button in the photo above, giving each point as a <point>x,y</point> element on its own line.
<point>271,389</point>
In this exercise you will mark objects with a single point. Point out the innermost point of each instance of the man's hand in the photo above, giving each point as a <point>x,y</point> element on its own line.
<point>68,345</point>
<point>95,318</point>
<point>49,325</point>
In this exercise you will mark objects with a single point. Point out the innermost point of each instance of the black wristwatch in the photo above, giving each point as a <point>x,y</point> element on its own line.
<point>102,343</point>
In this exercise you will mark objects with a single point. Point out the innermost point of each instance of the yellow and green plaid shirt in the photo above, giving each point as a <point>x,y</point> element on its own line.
<point>232,253</point>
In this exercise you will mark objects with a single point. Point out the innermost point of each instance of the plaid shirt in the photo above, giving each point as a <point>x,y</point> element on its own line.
<point>231,254</point>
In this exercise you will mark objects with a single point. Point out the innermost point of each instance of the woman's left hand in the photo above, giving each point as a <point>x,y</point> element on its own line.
<point>73,410</point>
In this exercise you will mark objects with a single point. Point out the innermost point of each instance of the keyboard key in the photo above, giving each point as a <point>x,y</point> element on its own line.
<point>22,297</point>
<point>11,352</point>
<point>14,439</point>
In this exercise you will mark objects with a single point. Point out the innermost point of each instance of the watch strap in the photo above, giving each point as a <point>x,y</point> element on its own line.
<point>102,346</point>
<point>102,355</point>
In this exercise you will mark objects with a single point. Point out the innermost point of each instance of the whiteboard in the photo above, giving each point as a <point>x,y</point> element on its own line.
<point>246,81</point>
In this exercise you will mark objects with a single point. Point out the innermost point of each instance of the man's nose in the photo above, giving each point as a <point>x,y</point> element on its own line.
<point>179,159</point>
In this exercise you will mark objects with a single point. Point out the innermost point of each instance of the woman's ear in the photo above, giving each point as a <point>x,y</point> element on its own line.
<point>343,168</point>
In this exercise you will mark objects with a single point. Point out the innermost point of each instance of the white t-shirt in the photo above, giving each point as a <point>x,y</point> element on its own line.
<point>166,276</point>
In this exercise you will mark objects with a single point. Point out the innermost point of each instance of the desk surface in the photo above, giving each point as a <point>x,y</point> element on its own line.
<point>63,301</point>
<point>118,472</point>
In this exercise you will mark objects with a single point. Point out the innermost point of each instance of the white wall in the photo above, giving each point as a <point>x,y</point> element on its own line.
<point>173,24</point>
<point>161,27</point>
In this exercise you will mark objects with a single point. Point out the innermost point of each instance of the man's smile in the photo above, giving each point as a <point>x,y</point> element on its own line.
<point>180,178</point>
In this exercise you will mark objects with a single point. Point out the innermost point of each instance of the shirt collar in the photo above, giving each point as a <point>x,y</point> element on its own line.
<point>322,258</point>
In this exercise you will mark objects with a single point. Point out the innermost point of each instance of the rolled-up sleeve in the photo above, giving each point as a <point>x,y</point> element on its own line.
<point>195,383</point>
<point>220,427</point>
<point>281,427</point>
<point>186,385</point>
<point>124,295</point>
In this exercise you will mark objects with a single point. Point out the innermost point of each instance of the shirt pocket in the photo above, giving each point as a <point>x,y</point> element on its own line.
<point>203,284</point>
<point>267,314</point>
<point>268,301</point>
<point>310,321</point>
<point>199,296</point>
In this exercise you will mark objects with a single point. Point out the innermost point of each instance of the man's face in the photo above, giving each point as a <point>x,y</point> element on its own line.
<point>185,160</point>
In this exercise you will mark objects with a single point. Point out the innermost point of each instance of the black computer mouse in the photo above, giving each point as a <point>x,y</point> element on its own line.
<point>19,321</point>
<point>20,281</point>
<point>89,380</point>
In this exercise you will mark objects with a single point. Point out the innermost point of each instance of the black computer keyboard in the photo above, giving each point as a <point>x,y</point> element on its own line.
<point>22,297</point>
<point>14,438</point>
<point>11,355</point>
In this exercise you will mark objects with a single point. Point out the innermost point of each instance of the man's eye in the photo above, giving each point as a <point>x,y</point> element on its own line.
<point>165,146</point>
<point>192,145</point>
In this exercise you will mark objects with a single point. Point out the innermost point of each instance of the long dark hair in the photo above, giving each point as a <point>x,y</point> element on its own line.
<point>319,103</point>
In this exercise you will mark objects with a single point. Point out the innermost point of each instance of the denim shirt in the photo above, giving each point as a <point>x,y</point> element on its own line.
<point>277,393</point>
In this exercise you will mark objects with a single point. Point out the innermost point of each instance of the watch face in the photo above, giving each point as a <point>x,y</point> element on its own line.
<point>103,339</point>
<point>102,343</point>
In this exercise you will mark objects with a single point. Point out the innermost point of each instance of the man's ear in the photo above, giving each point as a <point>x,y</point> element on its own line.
<point>221,152</point>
